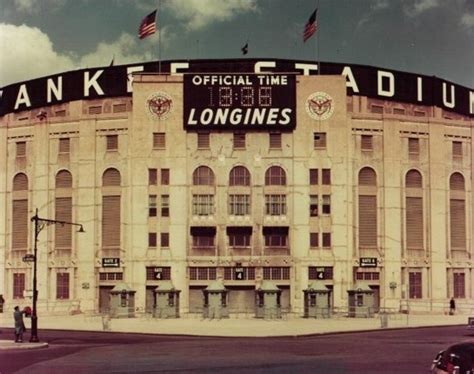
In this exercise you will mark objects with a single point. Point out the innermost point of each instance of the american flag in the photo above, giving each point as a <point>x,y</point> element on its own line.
<point>310,27</point>
<point>148,25</point>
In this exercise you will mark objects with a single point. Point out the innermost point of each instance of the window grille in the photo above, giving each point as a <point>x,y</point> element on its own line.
<point>62,286</point>
<point>239,205</point>
<point>203,140</point>
<point>112,142</point>
<point>159,140</point>
<point>275,140</point>
<point>275,205</point>
<point>319,139</point>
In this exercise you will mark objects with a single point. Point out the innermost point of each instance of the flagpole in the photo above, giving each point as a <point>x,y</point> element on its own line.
<point>159,37</point>
<point>317,39</point>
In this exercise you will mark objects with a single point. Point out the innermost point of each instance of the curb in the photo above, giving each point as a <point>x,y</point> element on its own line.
<point>8,345</point>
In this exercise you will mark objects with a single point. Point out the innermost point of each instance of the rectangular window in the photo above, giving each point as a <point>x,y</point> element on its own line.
<point>203,140</point>
<point>203,205</point>
<point>111,222</point>
<point>152,177</point>
<point>112,142</point>
<point>457,149</point>
<point>239,236</point>
<point>319,139</point>
<point>413,146</point>
<point>164,240</point>
<point>414,285</point>
<point>239,205</point>
<point>320,272</point>
<point>367,275</point>
<point>326,177</point>
<point>152,204</point>
<point>20,219</point>
<point>275,140</point>
<point>110,276</point>
<point>326,240</point>
<point>276,273</point>
<point>152,239</point>
<point>376,109</point>
<point>159,140</point>
<point>202,273</point>
<point>366,142</point>
<point>95,109</point>
<point>459,289</point>
<point>64,145</point>
<point>275,205</point>
<point>313,177</point>
<point>326,204</point>
<point>20,149</point>
<point>165,205</point>
<point>276,237</point>
<point>313,205</point>
<point>158,273</point>
<point>62,286</point>
<point>314,239</point>
<point>239,140</point>
<point>203,241</point>
<point>165,177</point>
<point>18,285</point>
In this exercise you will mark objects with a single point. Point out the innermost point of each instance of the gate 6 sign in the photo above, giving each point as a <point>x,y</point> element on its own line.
<point>239,102</point>
<point>319,105</point>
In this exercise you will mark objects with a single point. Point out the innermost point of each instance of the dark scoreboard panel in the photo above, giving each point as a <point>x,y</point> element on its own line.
<point>239,101</point>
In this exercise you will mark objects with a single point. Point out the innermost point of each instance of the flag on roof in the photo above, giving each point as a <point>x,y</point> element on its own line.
<point>148,25</point>
<point>245,49</point>
<point>310,27</point>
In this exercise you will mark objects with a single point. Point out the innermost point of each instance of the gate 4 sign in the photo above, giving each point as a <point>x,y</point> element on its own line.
<point>239,273</point>
<point>320,273</point>
<point>159,273</point>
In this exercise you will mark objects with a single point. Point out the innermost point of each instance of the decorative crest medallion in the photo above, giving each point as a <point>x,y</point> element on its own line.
<point>319,105</point>
<point>159,105</point>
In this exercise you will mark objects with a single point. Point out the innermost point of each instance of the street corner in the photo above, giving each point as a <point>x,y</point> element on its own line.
<point>6,345</point>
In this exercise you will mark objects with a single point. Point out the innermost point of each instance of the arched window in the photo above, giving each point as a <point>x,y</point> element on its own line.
<point>20,182</point>
<point>275,176</point>
<point>111,214</point>
<point>367,208</point>
<point>456,182</point>
<point>457,211</point>
<point>414,210</point>
<point>111,177</point>
<point>63,212</point>
<point>64,179</point>
<point>413,179</point>
<point>367,177</point>
<point>239,176</point>
<point>20,217</point>
<point>203,176</point>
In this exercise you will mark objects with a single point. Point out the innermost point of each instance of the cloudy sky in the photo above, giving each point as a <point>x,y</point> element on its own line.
<point>431,37</point>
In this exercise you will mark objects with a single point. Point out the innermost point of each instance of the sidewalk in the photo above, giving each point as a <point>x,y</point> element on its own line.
<point>231,327</point>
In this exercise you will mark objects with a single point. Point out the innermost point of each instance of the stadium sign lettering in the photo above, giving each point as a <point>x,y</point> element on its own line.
<point>115,81</point>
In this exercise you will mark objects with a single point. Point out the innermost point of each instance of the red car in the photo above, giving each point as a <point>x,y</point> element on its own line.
<point>457,359</point>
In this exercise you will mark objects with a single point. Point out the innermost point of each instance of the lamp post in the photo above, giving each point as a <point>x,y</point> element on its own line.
<point>40,223</point>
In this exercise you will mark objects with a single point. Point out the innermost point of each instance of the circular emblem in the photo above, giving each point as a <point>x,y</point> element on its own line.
<point>319,105</point>
<point>159,105</point>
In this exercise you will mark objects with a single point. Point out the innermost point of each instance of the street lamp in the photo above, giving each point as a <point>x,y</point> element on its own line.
<point>40,223</point>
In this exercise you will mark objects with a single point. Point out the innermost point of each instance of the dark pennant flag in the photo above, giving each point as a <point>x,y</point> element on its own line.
<point>310,27</point>
<point>148,25</point>
<point>245,49</point>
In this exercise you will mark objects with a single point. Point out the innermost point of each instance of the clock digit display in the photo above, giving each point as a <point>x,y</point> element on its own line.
<point>225,97</point>
<point>246,96</point>
<point>265,96</point>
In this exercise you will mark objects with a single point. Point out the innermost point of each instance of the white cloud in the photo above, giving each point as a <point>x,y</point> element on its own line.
<point>467,20</point>
<point>199,13</point>
<point>30,54</point>
<point>380,4</point>
<point>420,6</point>
<point>34,6</point>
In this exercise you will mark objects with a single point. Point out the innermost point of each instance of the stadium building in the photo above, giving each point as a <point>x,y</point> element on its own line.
<point>240,171</point>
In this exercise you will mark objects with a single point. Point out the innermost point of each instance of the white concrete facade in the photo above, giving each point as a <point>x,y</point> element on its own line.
<point>353,117</point>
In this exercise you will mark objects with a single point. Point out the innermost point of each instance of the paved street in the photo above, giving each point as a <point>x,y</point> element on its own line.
<point>388,351</point>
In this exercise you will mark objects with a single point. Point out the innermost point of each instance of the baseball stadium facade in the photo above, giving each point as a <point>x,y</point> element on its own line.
<point>242,171</point>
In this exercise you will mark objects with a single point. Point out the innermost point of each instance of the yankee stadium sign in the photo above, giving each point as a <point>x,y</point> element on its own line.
<point>245,101</point>
<point>245,97</point>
